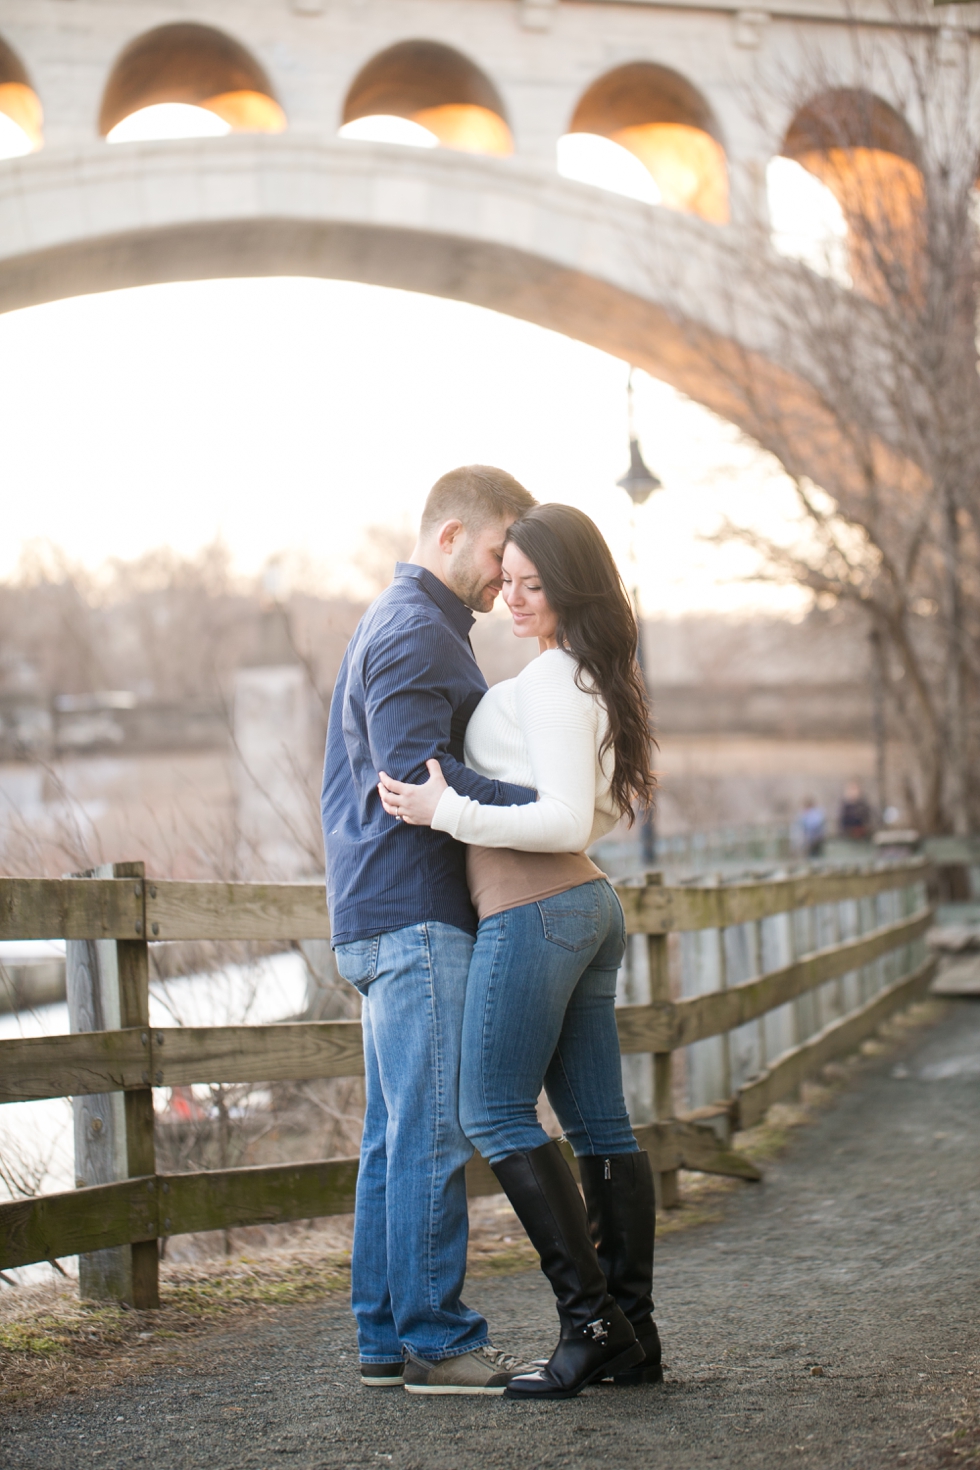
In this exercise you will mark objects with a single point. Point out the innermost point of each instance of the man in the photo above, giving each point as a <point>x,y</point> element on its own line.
<point>855,814</point>
<point>403,929</point>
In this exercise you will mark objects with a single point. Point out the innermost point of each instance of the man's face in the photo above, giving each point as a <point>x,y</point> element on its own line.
<point>473,564</point>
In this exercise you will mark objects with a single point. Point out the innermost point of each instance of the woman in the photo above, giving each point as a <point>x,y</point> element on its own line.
<point>542,982</point>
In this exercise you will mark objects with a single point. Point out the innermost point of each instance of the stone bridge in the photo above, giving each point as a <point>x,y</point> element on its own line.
<point>681,288</point>
<point>488,231</point>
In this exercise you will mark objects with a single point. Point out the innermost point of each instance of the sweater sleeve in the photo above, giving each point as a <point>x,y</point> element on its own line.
<point>559,724</point>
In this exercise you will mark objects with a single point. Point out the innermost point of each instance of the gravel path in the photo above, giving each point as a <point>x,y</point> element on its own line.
<point>831,1319</point>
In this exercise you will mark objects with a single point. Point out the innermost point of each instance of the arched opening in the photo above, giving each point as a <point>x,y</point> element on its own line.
<point>806,220</point>
<point>662,120</point>
<point>21,119</point>
<point>429,87</point>
<point>865,154</point>
<point>187,80</point>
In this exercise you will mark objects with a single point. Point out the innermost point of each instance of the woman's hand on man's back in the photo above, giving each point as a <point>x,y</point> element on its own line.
<point>415,805</point>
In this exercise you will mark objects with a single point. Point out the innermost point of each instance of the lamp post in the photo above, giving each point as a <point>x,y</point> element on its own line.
<point>639,482</point>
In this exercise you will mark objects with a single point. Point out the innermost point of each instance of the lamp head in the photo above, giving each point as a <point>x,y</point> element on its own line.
<point>638,481</point>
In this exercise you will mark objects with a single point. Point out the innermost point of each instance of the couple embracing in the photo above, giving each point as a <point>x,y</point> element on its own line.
<point>485,943</point>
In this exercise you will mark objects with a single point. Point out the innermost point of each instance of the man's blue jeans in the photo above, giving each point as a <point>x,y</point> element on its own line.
<point>410,1221</point>
<point>540,1009</point>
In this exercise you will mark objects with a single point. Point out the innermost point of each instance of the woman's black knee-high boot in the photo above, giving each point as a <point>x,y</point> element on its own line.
<point>622,1218</point>
<point>596,1338</point>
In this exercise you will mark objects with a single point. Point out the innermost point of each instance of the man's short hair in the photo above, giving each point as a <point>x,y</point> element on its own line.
<point>475,494</point>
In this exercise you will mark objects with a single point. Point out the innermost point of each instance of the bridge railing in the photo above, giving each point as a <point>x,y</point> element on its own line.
<point>113,1058</point>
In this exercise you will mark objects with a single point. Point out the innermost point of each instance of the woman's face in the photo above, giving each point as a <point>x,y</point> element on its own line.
<point>523,594</point>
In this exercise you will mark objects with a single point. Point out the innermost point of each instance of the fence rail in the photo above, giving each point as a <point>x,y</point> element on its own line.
<point>119,908</point>
<point>113,1053</point>
<point>670,1025</point>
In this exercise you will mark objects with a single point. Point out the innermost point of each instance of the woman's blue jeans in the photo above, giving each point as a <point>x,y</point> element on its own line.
<point>540,1009</point>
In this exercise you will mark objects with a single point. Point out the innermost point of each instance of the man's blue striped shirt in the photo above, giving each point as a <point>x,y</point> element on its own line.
<point>405,693</point>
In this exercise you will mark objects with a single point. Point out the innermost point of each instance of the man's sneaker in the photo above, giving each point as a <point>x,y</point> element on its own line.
<point>383,1375</point>
<point>484,1370</point>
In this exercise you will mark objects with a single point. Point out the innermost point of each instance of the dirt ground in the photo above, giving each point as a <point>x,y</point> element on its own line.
<point>829,1317</point>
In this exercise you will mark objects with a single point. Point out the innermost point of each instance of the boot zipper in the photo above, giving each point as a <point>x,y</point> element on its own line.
<point>607,1171</point>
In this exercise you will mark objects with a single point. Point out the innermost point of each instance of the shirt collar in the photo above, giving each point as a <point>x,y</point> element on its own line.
<point>457,612</point>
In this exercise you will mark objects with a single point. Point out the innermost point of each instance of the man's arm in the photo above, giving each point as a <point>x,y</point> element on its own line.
<point>409,716</point>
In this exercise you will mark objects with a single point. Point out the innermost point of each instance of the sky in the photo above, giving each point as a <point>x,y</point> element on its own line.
<point>291,415</point>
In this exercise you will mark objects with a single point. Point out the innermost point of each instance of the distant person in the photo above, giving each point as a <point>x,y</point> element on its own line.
<point>854,820</point>
<point>812,823</point>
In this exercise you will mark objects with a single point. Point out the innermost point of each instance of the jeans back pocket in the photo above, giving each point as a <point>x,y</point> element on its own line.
<point>357,962</point>
<point>571,919</point>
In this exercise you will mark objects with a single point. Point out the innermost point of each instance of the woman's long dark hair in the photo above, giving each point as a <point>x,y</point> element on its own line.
<point>597,626</point>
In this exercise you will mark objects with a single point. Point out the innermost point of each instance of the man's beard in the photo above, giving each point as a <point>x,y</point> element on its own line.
<point>473,590</point>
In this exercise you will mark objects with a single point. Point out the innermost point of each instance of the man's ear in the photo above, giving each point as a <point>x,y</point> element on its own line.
<point>448,535</point>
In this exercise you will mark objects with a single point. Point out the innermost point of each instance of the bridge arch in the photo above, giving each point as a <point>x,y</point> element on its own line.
<point>653,287</point>
<point>193,64</point>
<point>436,87</point>
<point>864,151</point>
<point>848,118</point>
<point>19,103</point>
<point>662,118</point>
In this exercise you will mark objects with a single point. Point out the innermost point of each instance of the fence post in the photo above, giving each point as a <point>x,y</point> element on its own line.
<point>107,984</point>
<point>667,1189</point>
<point>758,968</point>
<point>726,1037</point>
<point>792,955</point>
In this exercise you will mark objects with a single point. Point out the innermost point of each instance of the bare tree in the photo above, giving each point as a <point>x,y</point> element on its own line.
<point>870,400</point>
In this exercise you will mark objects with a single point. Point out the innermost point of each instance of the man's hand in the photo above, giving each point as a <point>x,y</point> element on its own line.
<point>415,805</point>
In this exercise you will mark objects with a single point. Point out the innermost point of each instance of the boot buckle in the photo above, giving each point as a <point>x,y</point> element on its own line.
<point>598,1329</point>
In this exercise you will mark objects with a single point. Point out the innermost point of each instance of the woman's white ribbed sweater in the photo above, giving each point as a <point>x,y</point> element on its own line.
<point>539,730</point>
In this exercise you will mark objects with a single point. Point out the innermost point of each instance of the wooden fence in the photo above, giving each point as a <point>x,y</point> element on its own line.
<point>113,1058</point>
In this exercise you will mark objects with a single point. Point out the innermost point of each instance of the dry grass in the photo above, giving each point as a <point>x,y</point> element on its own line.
<point>960,1446</point>
<point>51,1343</point>
<point>956,1448</point>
